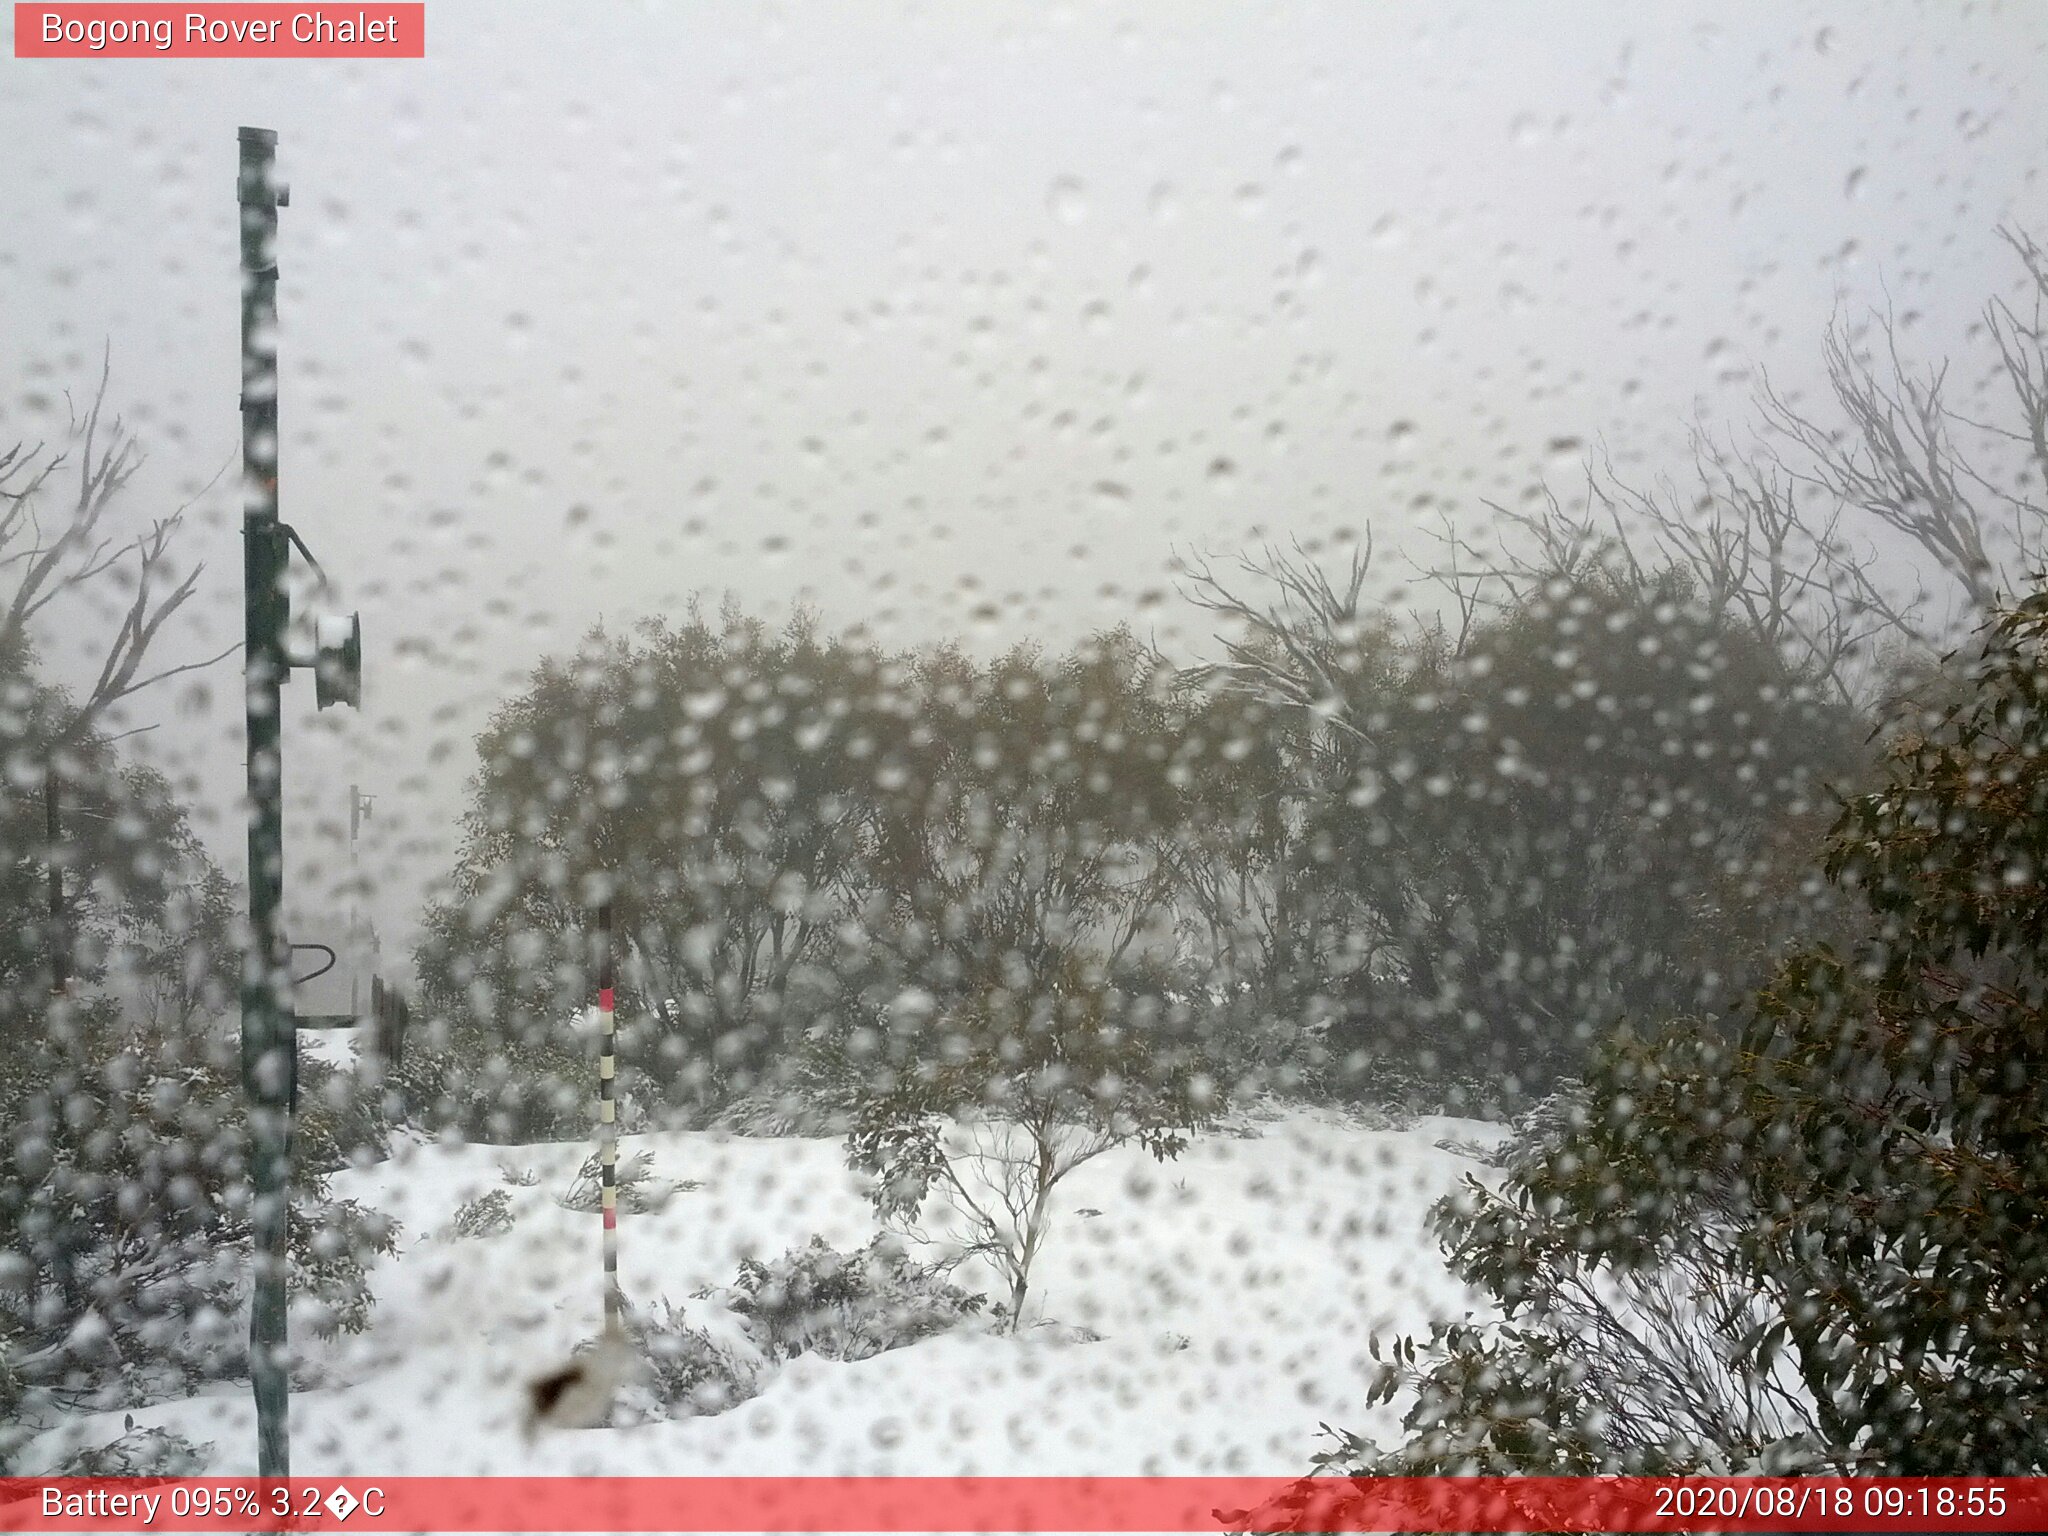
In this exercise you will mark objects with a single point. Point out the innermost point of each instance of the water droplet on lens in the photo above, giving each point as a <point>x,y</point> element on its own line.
<point>1068,200</point>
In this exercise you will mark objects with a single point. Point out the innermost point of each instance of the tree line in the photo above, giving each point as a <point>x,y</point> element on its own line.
<point>1582,783</point>
<point>1461,859</point>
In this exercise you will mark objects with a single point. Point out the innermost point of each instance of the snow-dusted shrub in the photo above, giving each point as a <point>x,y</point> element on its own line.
<point>518,1178</point>
<point>1564,1109</point>
<point>1383,1116</point>
<point>341,1119</point>
<point>486,1216</point>
<point>1492,1153</point>
<point>331,1244</point>
<point>638,1189</point>
<point>515,1085</point>
<point>140,1453</point>
<point>124,1216</point>
<point>685,1372</point>
<point>15,1431</point>
<point>1397,1094</point>
<point>782,1110</point>
<point>845,1306</point>
<point>1250,1116</point>
<point>1015,1088</point>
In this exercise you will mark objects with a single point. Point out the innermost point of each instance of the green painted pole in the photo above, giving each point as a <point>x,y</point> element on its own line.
<point>269,1043</point>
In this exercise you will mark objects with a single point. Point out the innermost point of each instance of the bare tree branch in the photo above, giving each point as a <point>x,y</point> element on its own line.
<point>99,465</point>
<point>1899,463</point>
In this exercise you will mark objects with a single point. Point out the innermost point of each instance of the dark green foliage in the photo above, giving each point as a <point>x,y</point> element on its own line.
<point>1596,800</point>
<point>1452,860</point>
<point>17,1428</point>
<point>146,912</point>
<point>123,1186</point>
<point>124,1216</point>
<point>1575,819</point>
<point>332,1244</point>
<point>1846,1191</point>
<point>720,783</point>
<point>1905,1093</point>
<point>529,1080</point>
<point>343,1118</point>
<point>795,830</point>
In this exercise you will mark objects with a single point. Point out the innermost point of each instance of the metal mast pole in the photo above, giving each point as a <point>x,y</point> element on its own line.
<point>269,1044</point>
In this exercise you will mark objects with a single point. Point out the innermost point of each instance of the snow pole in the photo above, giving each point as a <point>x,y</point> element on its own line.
<point>608,1117</point>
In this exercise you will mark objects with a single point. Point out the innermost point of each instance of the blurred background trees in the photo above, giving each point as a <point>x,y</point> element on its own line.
<point>1569,810</point>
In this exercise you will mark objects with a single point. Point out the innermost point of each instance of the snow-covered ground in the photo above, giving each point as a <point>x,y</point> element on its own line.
<point>1234,1290</point>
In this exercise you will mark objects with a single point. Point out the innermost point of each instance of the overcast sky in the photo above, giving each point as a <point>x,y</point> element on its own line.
<point>953,320</point>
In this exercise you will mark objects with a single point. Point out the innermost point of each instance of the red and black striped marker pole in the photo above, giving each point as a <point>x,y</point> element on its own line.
<point>607,1117</point>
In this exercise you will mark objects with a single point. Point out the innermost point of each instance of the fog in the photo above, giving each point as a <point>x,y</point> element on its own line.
<point>950,322</point>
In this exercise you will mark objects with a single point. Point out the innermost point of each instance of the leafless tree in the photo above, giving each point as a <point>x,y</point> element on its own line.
<point>2022,344</point>
<point>59,536</point>
<point>1790,534</point>
<point>994,1183</point>
<point>1298,648</point>
<point>1253,907</point>
<point>58,509</point>
<point>1739,531</point>
<point>1897,461</point>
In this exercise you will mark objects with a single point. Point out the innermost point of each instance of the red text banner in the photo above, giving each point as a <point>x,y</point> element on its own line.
<point>220,31</point>
<point>878,1504</point>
